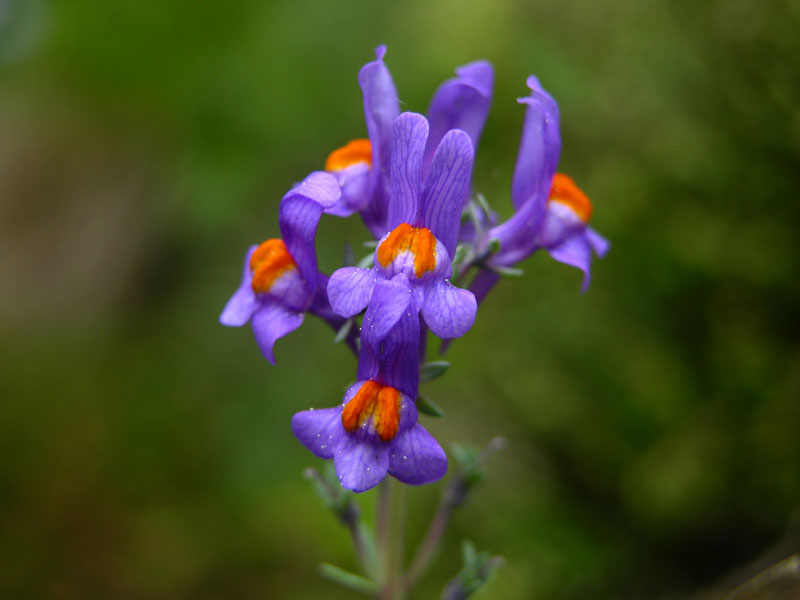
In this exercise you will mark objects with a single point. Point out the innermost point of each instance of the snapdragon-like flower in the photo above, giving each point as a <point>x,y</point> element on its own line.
<point>375,430</point>
<point>362,165</point>
<point>421,233</point>
<point>280,281</point>
<point>551,212</point>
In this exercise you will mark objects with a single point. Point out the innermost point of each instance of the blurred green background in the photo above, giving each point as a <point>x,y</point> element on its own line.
<point>653,424</point>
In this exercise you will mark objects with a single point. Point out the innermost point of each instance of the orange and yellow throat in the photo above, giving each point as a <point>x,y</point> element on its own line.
<point>405,238</point>
<point>354,152</point>
<point>564,191</point>
<point>268,262</point>
<point>377,402</point>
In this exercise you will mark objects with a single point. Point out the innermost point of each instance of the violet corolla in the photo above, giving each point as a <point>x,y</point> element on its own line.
<point>551,212</point>
<point>375,430</point>
<point>421,231</point>
<point>362,165</point>
<point>280,280</point>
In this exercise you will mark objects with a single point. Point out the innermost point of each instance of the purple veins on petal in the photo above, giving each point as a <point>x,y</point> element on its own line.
<point>299,215</point>
<point>349,290</point>
<point>319,186</point>
<point>449,311</point>
<point>410,133</point>
<point>389,301</point>
<point>416,457</point>
<point>397,356</point>
<point>360,465</point>
<point>447,187</point>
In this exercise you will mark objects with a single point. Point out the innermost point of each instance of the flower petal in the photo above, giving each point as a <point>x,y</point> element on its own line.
<point>320,186</point>
<point>417,457</point>
<point>272,322</point>
<point>401,355</point>
<point>448,310</point>
<point>599,244</point>
<point>380,110</point>
<point>390,338</point>
<point>461,103</point>
<point>354,181</point>
<point>240,307</point>
<point>349,290</point>
<point>300,212</point>
<point>576,251</point>
<point>410,133</point>
<point>380,107</point>
<point>447,187</point>
<point>360,463</point>
<point>539,149</point>
<point>319,430</point>
<point>388,303</point>
<point>243,303</point>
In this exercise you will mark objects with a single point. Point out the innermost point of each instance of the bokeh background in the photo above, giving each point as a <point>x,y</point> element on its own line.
<point>653,423</point>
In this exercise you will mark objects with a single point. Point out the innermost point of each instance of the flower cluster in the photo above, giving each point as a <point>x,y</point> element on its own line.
<point>410,182</point>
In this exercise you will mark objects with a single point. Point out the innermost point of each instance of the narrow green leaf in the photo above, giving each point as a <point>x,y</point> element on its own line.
<point>344,331</point>
<point>507,271</point>
<point>469,552</point>
<point>366,262</point>
<point>428,407</point>
<point>351,581</point>
<point>460,253</point>
<point>480,199</point>
<point>433,369</point>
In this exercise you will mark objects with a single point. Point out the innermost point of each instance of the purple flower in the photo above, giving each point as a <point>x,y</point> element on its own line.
<point>362,165</point>
<point>421,231</point>
<point>280,281</point>
<point>375,430</point>
<point>551,212</point>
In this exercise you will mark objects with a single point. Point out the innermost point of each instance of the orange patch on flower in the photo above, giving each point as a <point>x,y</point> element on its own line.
<point>355,151</point>
<point>269,261</point>
<point>565,191</point>
<point>375,401</point>
<point>418,240</point>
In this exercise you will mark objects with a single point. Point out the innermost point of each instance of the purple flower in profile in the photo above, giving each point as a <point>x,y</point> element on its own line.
<point>280,281</point>
<point>362,165</point>
<point>421,231</point>
<point>551,212</point>
<point>375,430</point>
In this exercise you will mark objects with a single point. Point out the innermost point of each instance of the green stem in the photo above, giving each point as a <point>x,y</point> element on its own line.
<point>383,532</point>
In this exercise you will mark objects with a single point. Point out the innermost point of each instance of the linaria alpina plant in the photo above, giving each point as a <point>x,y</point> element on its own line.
<point>410,182</point>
